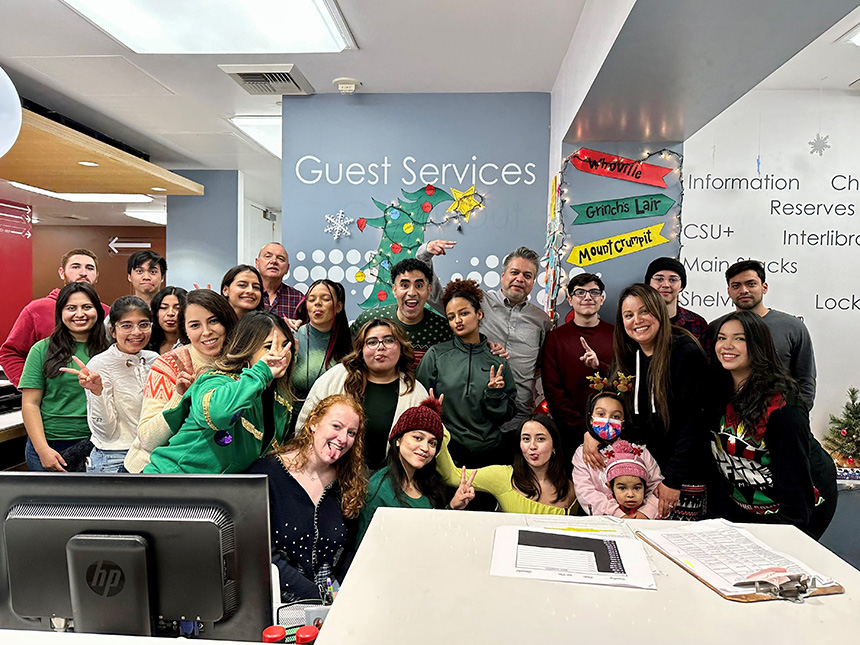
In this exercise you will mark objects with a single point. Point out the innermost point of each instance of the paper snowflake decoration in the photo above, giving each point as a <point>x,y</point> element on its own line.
<point>819,144</point>
<point>338,224</point>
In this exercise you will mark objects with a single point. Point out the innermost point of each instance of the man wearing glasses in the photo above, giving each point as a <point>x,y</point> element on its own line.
<point>564,368</point>
<point>669,278</point>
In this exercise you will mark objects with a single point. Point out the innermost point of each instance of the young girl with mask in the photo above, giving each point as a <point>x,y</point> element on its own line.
<point>114,382</point>
<point>596,491</point>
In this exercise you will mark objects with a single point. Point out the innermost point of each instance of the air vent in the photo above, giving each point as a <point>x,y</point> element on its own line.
<point>278,80</point>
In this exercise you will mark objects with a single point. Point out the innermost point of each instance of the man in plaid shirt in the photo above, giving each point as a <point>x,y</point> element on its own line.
<point>273,262</point>
<point>669,278</point>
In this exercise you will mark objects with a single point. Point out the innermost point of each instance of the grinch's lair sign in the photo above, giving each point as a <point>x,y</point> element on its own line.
<point>310,169</point>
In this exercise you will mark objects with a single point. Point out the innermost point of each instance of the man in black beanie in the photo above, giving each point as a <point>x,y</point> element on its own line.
<point>669,278</point>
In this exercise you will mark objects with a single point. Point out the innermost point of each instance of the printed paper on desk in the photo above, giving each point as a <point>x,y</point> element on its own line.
<point>722,554</point>
<point>563,556</point>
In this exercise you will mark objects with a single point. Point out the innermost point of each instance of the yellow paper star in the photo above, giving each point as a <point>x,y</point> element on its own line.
<point>464,203</point>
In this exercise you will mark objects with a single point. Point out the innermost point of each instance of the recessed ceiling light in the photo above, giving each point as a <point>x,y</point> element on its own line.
<point>88,164</point>
<point>223,27</point>
<point>158,189</point>
<point>265,130</point>
<point>91,198</point>
<point>851,36</point>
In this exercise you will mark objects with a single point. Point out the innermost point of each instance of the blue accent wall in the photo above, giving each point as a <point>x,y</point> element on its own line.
<point>340,152</point>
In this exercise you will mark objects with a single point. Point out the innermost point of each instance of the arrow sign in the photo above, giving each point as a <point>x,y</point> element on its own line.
<point>25,233</point>
<point>627,208</point>
<point>619,245</point>
<point>116,246</point>
<point>20,218</point>
<point>615,167</point>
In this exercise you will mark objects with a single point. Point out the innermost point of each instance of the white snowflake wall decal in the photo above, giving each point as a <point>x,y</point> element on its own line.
<point>338,224</point>
<point>819,144</point>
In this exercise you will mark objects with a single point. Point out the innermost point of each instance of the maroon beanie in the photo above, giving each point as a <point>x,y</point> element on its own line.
<point>425,416</point>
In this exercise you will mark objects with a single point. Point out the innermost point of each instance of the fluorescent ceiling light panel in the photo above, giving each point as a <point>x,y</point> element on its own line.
<point>265,130</point>
<point>220,26</point>
<point>154,217</point>
<point>86,198</point>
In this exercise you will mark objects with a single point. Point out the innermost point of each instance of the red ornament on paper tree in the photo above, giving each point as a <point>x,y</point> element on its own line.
<point>381,295</point>
<point>429,190</point>
<point>361,223</point>
<point>396,248</point>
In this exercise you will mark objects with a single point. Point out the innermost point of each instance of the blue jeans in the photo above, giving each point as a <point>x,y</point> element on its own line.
<point>32,457</point>
<point>105,461</point>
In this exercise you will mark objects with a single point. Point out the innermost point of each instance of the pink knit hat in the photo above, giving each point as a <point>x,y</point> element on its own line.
<point>623,458</point>
<point>425,416</point>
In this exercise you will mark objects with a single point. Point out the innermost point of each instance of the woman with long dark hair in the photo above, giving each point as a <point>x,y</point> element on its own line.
<point>317,481</point>
<point>243,287</point>
<point>409,478</point>
<point>53,404</point>
<point>323,338</point>
<point>770,467</point>
<point>380,373</point>
<point>205,323</point>
<point>537,483</point>
<point>114,381</point>
<point>232,415</point>
<point>670,372</point>
<point>166,307</point>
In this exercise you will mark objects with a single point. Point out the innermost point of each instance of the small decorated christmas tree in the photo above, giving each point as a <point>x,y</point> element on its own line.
<point>843,437</point>
<point>402,225</point>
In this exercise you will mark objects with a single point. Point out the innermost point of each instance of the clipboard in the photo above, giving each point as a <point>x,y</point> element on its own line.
<point>762,592</point>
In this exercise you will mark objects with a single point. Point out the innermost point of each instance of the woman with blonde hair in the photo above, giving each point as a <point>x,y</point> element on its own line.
<point>380,374</point>
<point>316,482</point>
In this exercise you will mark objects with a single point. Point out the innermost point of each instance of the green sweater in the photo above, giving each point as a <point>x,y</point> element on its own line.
<point>380,493</point>
<point>64,401</point>
<point>219,401</point>
<point>473,411</point>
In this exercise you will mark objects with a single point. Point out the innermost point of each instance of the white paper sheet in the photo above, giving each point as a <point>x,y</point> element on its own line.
<point>570,556</point>
<point>722,554</point>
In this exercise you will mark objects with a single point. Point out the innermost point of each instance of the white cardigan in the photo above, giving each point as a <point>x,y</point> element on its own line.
<point>113,416</point>
<point>332,383</point>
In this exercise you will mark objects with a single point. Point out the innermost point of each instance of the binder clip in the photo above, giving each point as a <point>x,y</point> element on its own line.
<point>779,583</point>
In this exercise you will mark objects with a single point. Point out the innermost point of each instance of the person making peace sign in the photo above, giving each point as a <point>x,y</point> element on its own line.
<point>479,388</point>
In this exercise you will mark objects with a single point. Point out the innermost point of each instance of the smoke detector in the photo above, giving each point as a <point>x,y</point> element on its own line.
<point>346,85</point>
<point>269,79</point>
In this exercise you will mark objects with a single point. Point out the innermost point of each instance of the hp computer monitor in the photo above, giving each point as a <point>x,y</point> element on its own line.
<point>135,554</point>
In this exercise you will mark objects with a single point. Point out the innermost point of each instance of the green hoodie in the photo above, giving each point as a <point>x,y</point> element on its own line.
<point>472,411</point>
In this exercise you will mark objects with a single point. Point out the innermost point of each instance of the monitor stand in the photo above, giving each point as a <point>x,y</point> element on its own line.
<point>109,584</point>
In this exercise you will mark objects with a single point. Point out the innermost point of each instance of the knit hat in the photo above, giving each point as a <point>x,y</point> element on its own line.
<point>666,264</point>
<point>623,458</point>
<point>425,416</point>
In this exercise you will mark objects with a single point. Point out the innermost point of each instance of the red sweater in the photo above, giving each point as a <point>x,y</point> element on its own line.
<point>564,376</point>
<point>35,322</point>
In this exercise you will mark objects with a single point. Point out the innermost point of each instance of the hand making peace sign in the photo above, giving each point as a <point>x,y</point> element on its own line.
<point>88,379</point>
<point>497,381</point>
<point>465,491</point>
<point>590,356</point>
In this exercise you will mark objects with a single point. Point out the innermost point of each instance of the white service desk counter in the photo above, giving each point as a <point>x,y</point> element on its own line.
<point>422,577</point>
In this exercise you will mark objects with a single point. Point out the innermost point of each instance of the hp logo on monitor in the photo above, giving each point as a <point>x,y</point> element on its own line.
<point>105,578</point>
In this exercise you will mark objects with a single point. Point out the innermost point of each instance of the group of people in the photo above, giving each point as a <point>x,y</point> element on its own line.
<point>428,402</point>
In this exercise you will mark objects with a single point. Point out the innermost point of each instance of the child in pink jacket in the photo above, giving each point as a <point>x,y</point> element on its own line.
<point>624,464</point>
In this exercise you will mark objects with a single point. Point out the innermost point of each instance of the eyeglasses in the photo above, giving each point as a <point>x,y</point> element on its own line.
<point>142,326</point>
<point>659,279</point>
<point>580,293</point>
<point>373,343</point>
